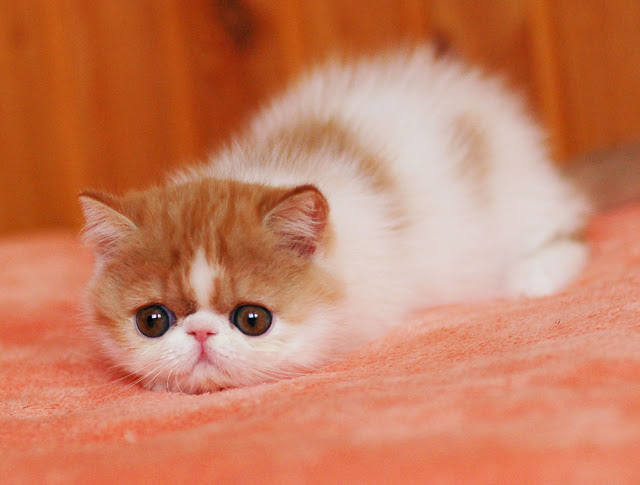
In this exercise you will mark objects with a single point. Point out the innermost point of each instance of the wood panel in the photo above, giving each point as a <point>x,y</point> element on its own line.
<point>590,65</point>
<point>115,93</point>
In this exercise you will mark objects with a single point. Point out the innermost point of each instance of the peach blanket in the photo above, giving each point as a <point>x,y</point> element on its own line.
<point>525,391</point>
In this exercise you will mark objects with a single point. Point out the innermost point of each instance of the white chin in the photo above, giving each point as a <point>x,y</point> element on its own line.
<point>204,377</point>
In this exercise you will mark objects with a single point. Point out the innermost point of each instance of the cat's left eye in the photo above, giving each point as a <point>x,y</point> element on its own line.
<point>251,320</point>
<point>154,320</point>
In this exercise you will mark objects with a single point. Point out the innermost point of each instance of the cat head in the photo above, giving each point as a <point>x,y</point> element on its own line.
<point>212,283</point>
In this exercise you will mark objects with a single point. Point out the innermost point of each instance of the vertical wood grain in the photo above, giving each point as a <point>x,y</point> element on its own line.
<point>114,94</point>
<point>546,67</point>
<point>13,133</point>
<point>38,150</point>
<point>494,34</point>
<point>593,83</point>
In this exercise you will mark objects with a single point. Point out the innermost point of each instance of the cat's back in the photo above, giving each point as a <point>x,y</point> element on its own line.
<point>398,84</point>
<point>407,107</point>
<point>467,162</point>
<point>384,100</point>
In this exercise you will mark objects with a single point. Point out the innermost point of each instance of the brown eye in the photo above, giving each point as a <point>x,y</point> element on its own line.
<point>251,319</point>
<point>154,320</point>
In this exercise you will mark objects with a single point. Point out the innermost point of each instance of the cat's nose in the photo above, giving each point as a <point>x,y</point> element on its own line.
<point>201,325</point>
<point>201,335</point>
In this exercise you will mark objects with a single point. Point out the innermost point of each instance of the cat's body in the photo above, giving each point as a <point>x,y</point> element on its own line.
<point>363,193</point>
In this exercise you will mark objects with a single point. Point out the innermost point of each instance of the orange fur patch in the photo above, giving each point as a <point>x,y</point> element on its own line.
<point>475,164</point>
<point>225,219</point>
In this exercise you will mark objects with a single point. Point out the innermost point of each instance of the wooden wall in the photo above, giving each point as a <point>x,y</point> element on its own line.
<point>113,93</point>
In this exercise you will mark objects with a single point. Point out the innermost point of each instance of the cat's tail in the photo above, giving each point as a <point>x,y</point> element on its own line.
<point>609,177</point>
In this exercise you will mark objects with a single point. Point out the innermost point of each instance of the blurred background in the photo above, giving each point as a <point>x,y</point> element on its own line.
<point>114,93</point>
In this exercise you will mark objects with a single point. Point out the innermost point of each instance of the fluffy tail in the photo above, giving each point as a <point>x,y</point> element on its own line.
<point>609,177</point>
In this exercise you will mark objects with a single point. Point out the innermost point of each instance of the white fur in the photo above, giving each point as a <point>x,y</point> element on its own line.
<point>546,269</point>
<point>201,278</point>
<point>452,246</point>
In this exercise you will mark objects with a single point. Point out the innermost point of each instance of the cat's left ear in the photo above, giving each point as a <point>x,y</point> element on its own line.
<point>300,220</point>
<point>106,224</point>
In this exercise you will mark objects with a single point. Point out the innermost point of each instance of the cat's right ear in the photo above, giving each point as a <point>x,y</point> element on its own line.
<point>105,225</point>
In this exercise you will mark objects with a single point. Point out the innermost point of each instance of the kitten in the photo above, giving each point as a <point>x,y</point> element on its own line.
<point>365,191</point>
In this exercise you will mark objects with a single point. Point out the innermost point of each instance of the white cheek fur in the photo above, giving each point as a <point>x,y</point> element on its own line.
<point>171,361</point>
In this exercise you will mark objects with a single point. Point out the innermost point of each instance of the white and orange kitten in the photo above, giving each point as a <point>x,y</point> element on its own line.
<point>364,192</point>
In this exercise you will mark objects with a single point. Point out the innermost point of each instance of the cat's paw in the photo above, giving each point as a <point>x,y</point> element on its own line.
<point>548,269</point>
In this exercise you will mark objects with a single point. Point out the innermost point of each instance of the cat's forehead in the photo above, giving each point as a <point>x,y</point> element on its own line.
<point>205,214</point>
<point>206,243</point>
<point>199,202</point>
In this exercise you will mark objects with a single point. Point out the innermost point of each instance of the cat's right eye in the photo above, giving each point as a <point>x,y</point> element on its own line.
<point>154,320</point>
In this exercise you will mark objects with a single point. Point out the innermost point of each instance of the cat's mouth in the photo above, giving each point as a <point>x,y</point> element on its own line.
<point>204,359</point>
<point>207,374</point>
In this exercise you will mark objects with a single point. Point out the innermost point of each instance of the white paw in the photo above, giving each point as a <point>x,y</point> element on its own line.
<point>548,269</point>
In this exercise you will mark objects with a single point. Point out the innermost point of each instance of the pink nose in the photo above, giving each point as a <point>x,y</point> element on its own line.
<point>201,335</point>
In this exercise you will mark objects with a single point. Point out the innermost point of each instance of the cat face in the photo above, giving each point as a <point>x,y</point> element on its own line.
<point>212,284</point>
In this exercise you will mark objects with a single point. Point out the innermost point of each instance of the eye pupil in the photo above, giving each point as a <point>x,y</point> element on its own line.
<point>154,320</point>
<point>151,319</point>
<point>251,319</point>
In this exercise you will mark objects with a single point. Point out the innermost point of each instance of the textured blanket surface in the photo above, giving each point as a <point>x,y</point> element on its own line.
<point>524,391</point>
